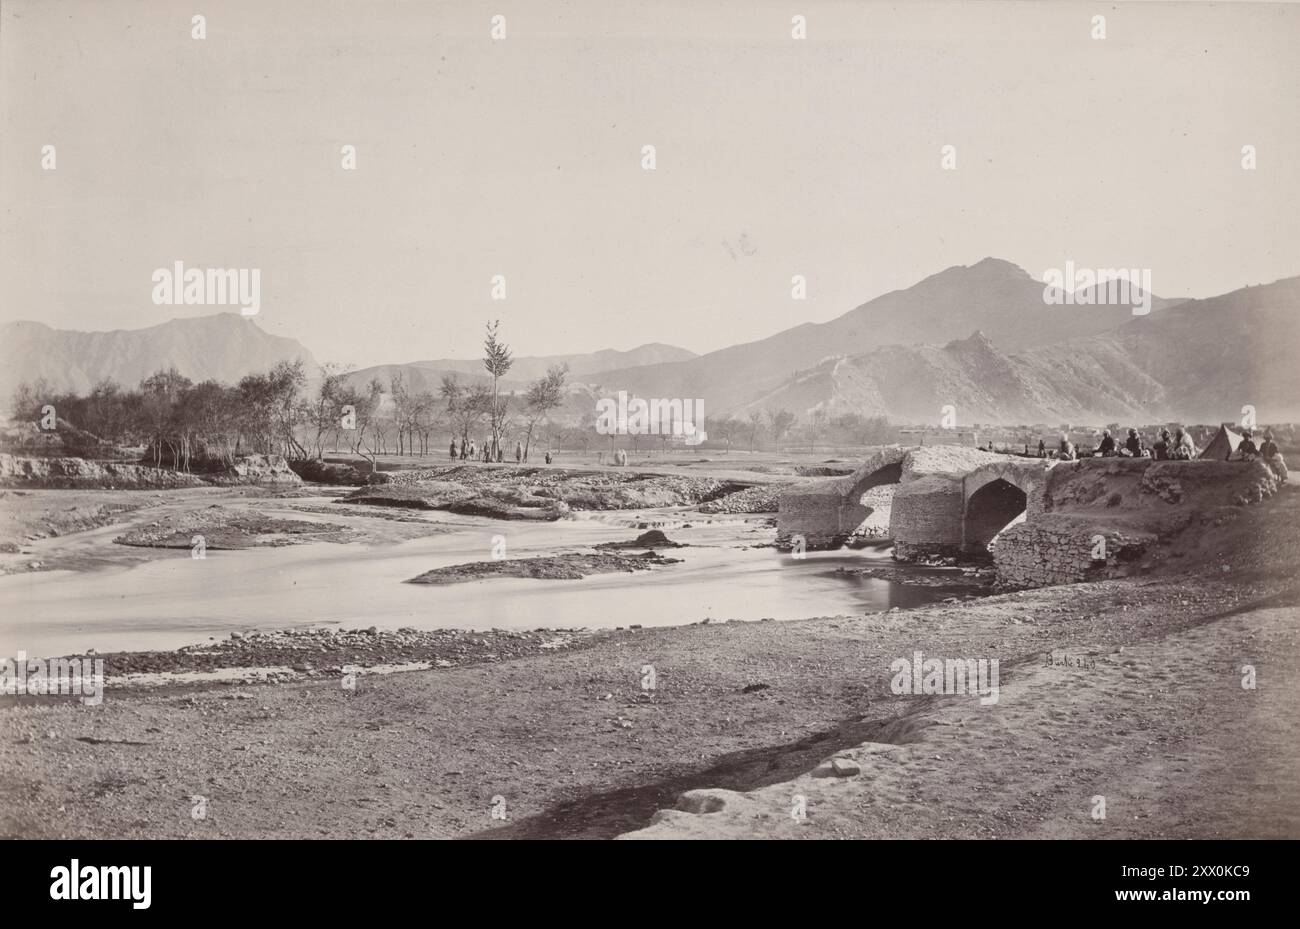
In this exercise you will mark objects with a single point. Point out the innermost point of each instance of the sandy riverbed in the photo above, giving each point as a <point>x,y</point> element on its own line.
<point>571,742</point>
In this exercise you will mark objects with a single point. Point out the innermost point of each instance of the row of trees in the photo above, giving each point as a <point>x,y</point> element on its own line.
<point>184,425</point>
<point>179,422</point>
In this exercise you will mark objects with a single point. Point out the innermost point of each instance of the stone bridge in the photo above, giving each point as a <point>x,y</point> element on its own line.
<point>948,500</point>
<point>1041,521</point>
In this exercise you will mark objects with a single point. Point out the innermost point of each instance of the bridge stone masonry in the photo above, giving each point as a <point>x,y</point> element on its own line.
<point>935,488</point>
<point>1040,521</point>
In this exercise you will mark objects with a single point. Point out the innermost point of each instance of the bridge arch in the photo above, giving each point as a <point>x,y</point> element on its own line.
<point>884,467</point>
<point>998,494</point>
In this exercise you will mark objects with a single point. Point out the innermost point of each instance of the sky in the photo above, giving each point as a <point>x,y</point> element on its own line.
<point>522,157</point>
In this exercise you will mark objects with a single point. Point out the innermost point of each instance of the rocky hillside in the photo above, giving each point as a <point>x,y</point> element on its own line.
<point>1200,361</point>
<point>913,383</point>
<point>1209,358</point>
<point>223,346</point>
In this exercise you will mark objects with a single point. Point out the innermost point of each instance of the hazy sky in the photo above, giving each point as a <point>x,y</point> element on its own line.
<point>522,157</point>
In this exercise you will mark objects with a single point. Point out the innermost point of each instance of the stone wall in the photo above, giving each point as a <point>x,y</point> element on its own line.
<point>1057,550</point>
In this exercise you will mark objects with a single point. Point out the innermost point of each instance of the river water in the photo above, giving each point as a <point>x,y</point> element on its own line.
<point>175,600</point>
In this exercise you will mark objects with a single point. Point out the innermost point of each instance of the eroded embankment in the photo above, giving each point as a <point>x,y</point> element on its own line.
<point>1118,517</point>
<point>537,493</point>
<point>63,473</point>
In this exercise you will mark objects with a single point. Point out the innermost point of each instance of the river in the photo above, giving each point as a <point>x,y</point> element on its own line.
<point>174,600</point>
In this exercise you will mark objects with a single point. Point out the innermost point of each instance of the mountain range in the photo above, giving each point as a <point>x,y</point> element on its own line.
<point>1198,361</point>
<point>222,346</point>
<point>979,337</point>
<point>994,297</point>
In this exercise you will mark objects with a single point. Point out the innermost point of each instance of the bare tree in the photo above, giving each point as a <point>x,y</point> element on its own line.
<point>781,420</point>
<point>544,394</point>
<point>424,416</point>
<point>325,410</point>
<point>755,426</point>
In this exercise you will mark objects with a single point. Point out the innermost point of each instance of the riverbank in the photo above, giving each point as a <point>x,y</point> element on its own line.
<point>573,741</point>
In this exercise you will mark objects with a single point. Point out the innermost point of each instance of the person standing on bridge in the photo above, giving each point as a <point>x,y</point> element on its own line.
<point>452,453</point>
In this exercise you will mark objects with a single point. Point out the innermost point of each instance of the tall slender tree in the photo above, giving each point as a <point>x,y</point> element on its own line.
<point>497,360</point>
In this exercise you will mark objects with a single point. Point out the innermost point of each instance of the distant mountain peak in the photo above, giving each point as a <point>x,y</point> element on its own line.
<point>988,271</point>
<point>976,340</point>
<point>1001,266</point>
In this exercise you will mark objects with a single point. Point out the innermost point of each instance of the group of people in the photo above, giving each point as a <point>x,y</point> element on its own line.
<point>1176,447</point>
<point>468,450</point>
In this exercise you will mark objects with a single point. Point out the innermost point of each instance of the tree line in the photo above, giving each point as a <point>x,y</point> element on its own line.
<point>207,425</point>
